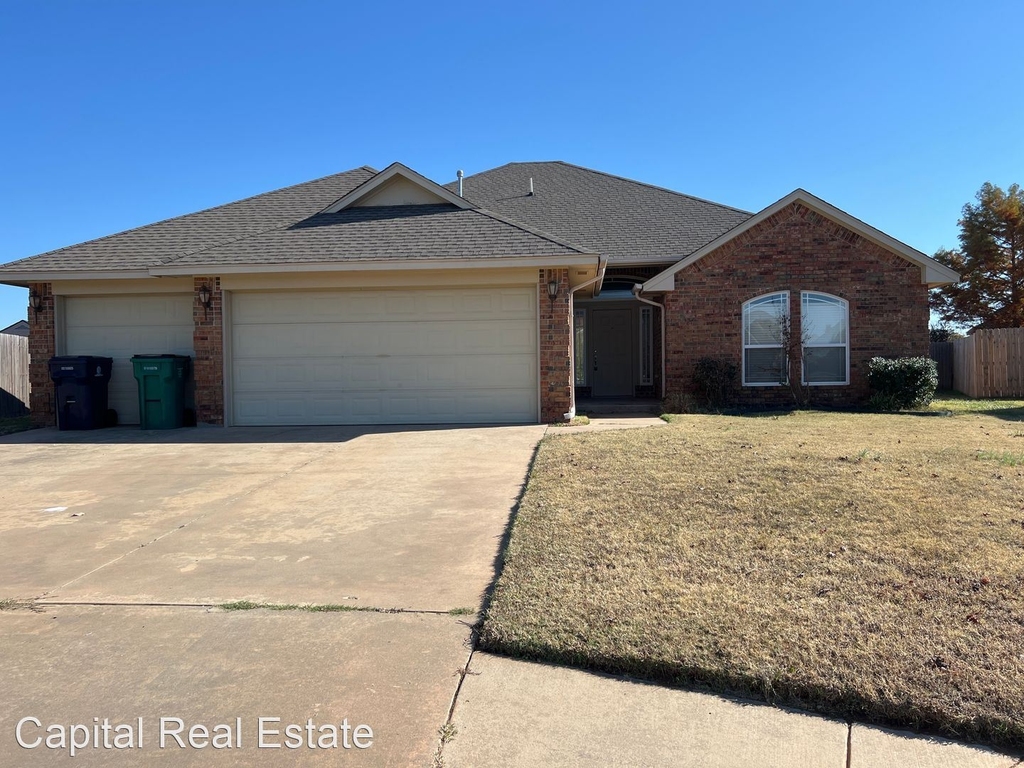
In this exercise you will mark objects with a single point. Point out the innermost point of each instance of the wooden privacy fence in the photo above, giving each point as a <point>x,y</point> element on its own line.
<point>13,376</point>
<point>990,363</point>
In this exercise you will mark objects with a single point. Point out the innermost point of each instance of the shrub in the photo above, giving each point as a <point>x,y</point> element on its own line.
<point>904,382</point>
<point>678,403</point>
<point>715,379</point>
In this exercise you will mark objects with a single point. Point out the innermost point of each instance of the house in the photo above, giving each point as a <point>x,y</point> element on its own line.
<point>383,298</point>
<point>19,328</point>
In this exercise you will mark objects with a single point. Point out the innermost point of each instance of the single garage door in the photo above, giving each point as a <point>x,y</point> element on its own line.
<point>429,356</point>
<point>122,326</point>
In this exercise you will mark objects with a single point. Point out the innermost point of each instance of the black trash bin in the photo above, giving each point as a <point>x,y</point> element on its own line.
<point>81,391</point>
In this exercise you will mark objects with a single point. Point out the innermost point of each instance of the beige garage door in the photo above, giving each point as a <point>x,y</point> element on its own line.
<point>429,356</point>
<point>122,326</point>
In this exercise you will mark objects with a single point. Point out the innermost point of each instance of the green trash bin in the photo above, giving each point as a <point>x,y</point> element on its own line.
<point>161,390</point>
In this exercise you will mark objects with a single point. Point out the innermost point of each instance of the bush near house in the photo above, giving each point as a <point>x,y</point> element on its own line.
<point>715,380</point>
<point>868,566</point>
<point>902,383</point>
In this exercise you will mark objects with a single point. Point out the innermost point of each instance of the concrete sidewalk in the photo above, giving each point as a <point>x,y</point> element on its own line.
<point>516,713</point>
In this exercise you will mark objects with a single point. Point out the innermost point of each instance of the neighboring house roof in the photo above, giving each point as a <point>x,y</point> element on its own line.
<point>138,249</point>
<point>621,219</point>
<point>932,272</point>
<point>19,328</point>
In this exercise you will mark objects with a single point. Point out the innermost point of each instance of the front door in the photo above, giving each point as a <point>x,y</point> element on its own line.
<point>611,353</point>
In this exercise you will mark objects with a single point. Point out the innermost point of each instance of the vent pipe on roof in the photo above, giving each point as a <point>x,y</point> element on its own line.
<point>531,186</point>
<point>459,174</point>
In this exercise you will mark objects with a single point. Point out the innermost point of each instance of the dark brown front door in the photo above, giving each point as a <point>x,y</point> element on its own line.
<point>611,362</point>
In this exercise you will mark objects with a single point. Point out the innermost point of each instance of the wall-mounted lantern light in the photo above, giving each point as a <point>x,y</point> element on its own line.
<point>552,289</point>
<point>35,300</point>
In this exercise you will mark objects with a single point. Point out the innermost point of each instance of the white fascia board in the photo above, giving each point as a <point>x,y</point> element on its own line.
<point>932,272</point>
<point>382,178</point>
<point>379,265</point>
<point>21,278</point>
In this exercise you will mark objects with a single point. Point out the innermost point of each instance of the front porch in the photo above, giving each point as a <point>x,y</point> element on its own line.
<point>616,351</point>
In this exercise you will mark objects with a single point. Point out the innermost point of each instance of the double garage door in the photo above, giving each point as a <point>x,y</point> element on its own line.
<point>384,356</point>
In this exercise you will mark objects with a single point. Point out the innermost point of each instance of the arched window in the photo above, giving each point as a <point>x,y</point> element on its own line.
<point>765,325</point>
<point>825,336</point>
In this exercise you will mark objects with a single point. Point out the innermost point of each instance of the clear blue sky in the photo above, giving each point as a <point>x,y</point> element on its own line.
<point>117,114</point>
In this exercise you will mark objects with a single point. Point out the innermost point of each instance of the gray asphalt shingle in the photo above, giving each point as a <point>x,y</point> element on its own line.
<point>574,210</point>
<point>616,217</point>
<point>385,232</point>
<point>159,243</point>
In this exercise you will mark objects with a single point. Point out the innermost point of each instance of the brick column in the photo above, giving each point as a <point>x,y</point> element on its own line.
<point>208,342</point>
<point>42,345</point>
<point>555,346</point>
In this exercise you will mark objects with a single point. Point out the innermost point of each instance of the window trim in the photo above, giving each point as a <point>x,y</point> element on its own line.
<point>580,377</point>
<point>781,345</point>
<point>804,347</point>
<point>646,351</point>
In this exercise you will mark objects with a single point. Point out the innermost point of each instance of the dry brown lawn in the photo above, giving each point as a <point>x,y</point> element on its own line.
<point>869,566</point>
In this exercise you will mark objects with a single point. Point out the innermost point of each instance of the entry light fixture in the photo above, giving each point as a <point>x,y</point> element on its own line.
<point>35,300</point>
<point>205,296</point>
<point>552,288</point>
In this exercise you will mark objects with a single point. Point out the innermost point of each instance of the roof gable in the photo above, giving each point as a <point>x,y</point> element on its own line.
<point>397,185</point>
<point>932,272</point>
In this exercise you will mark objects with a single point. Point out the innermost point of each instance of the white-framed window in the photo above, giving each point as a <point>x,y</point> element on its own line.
<point>765,326</point>
<point>646,346</point>
<point>825,336</point>
<point>579,346</point>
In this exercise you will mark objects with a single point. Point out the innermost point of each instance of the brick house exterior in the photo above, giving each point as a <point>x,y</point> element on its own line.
<point>208,340</point>
<point>678,269</point>
<point>795,250</point>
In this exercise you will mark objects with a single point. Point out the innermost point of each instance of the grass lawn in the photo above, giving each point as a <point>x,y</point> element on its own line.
<point>10,426</point>
<point>869,566</point>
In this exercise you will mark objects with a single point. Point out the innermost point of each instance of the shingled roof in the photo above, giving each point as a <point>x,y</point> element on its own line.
<point>573,211</point>
<point>615,217</point>
<point>385,232</point>
<point>159,243</point>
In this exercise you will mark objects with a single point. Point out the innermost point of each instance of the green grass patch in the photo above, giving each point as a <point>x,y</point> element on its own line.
<point>576,421</point>
<point>1005,458</point>
<point>249,605</point>
<point>19,424</point>
<point>462,611</point>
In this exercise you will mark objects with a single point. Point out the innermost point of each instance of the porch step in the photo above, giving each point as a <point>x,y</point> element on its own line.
<point>615,405</point>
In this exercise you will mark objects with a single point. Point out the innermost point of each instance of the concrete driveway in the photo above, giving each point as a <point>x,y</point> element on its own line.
<point>122,541</point>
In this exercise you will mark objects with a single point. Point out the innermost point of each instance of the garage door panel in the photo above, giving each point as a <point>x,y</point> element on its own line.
<point>387,407</point>
<point>394,373</point>
<point>457,305</point>
<point>122,326</point>
<point>402,356</point>
<point>369,339</point>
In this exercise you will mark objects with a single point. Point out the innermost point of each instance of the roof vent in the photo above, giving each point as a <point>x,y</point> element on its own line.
<point>459,174</point>
<point>531,186</point>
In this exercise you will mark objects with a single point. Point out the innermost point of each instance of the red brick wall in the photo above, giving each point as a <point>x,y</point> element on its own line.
<point>208,339</point>
<point>42,345</point>
<point>555,346</point>
<point>796,250</point>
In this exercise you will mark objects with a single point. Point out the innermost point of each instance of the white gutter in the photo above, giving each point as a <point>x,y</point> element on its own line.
<point>636,293</point>
<point>602,264</point>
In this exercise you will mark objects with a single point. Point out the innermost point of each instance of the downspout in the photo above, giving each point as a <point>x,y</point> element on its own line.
<point>602,264</point>
<point>636,293</point>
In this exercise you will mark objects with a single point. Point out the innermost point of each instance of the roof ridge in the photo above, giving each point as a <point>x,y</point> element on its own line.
<point>185,215</point>
<point>648,185</point>
<point>617,177</point>
<point>535,232</point>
